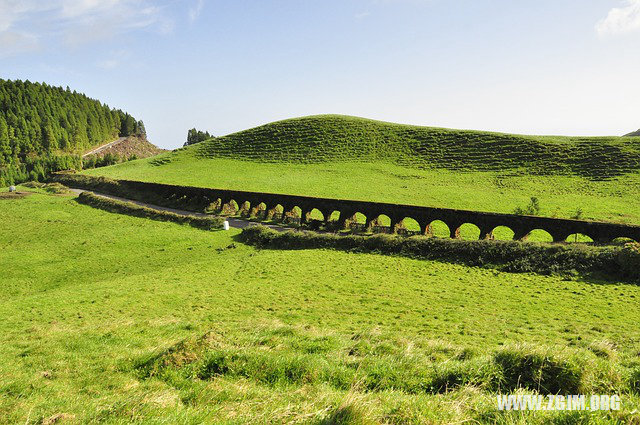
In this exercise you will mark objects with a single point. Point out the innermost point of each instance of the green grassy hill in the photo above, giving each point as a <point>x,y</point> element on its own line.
<point>354,158</point>
<point>327,138</point>
<point>108,318</point>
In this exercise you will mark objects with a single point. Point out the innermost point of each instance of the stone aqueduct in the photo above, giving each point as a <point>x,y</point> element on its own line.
<point>559,229</point>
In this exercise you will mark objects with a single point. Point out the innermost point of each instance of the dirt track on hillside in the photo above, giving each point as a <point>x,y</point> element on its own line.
<point>13,195</point>
<point>103,147</point>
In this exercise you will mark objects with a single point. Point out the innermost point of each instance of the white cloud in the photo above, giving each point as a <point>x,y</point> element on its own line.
<point>15,42</point>
<point>116,59</point>
<point>28,23</point>
<point>78,8</point>
<point>621,19</point>
<point>13,11</point>
<point>196,10</point>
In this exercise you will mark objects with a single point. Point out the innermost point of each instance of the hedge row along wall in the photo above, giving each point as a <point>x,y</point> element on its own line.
<point>113,205</point>
<point>511,256</point>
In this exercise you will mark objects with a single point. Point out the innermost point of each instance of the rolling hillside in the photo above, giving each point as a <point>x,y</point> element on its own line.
<point>353,158</point>
<point>327,138</point>
<point>115,319</point>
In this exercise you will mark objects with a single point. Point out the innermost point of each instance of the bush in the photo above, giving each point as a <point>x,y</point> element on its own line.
<point>532,209</point>
<point>53,188</point>
<point>112,205</point>
<point>33,184</point>
<point>538,371</point>
<point>629,259</point>
<point>510,256</point>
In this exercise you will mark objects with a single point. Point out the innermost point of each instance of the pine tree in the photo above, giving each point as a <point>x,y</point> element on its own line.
<point>5,144</point>
<point>128,126</point>
<point>195,136</point>
<point>49,141</point>
<point>142,131</point>
<point>44,128</point>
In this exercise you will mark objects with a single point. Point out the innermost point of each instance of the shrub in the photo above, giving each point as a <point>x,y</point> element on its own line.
<point>510,256</point>
<point>33,185</point>
<point>112,205</point>
<point>56,188</point>
<point>53,188</point>
<point>537,370</point>
<point>532,209</point>
<point>628,259</point>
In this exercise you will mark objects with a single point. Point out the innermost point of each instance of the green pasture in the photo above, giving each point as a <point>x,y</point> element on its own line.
<point>108,318</point>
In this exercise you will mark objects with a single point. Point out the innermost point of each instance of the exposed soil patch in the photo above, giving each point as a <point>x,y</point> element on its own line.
<point>57,418</point>
<point>13,195</point>
<point>126,147</point>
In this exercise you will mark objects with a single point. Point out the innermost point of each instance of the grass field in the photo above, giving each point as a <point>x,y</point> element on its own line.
<point>351,158</point>
<point>115,319</point>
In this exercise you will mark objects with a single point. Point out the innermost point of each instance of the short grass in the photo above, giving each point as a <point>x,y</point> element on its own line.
<point>95,305</point>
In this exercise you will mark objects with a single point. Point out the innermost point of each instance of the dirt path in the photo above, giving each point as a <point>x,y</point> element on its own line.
<point>233,222</point>
<point>103,147</point>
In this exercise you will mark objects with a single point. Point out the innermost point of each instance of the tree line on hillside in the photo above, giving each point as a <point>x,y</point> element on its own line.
<point>45,129</point>
<point>196,136</point>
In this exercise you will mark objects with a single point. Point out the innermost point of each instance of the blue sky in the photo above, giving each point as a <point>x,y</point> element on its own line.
<point>527,66</point>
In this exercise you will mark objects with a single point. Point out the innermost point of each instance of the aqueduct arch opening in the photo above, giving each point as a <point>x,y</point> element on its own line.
<point>408,225</point>
<point>357,221</point>
<point>381,224</point>
<point>275,213</point>
<point>469,232</point>
<point>439,229</point>
<point>539,235</point>
<point>229,208</point>
<point>578,238</point>
<point>316,214</point>
<point>502,233</point>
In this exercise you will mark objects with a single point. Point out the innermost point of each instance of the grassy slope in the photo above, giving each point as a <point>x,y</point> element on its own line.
<point>341,138</point>
<point>87,294</point>
<point>353,158</point>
